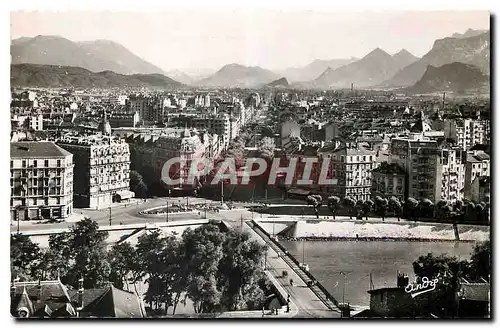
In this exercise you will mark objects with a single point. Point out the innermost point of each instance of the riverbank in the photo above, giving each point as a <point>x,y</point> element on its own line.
<point>371,231</point>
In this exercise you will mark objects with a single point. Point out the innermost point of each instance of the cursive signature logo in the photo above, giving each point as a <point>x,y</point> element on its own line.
<point>425,286</point>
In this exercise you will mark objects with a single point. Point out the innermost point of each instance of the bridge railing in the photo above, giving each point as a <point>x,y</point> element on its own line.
<point>307,273</point>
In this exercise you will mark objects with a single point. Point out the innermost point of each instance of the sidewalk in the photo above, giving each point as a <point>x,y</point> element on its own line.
<point>303,301</point>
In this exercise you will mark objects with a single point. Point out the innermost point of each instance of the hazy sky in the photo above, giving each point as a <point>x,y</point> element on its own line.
<point>271,39</point>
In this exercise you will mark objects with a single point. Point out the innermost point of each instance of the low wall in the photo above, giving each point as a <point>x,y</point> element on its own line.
<point>386,230</point>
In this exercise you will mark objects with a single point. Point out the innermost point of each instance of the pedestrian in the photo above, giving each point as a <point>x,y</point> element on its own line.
<point>263,312</point>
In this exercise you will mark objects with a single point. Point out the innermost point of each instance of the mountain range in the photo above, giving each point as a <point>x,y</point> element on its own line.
<point>370,70</point>
<point>314,69</point>
<point>377,69</point>
<point>474,50</point>
<point>56,76</point>
<point>95,56</point>
<point>238,76</point>
<point>280,83</point>
<point>450,77</point>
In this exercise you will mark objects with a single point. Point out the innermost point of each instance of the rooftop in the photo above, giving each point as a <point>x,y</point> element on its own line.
<point>36,149</point>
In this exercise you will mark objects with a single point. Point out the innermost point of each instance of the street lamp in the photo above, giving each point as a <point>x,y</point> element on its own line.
<point>167,211</point>
<point>110,215</point>
<point>343,291</point>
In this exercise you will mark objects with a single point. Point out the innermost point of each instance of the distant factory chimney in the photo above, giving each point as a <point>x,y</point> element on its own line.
<point>352,87</point>
<point>444,98</point>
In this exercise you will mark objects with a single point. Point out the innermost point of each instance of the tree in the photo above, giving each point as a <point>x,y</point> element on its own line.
<point>409,208</point>
<point>123,261</point>
<point>135,179</point>
<point>266,149</point>
<point>240,271</point>
<point>141,190</point>
<point>84,255</point>
<point>382,205</point>
<point>359,209</point>
<point>447,269</point>
<point>480,264</point>
<point>426,207</point>
<point>25,257</point>
<point>315,201</point>
<point>479,212</point>
<point>368,207</point>
<point>333,204</point>
<point>443,210</point>
<point>349,202</point>
<point>396,207</point>
<point>202,253</point>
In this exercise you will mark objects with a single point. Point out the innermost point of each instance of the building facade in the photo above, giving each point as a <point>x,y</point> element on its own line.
<point>389,180</point>
<point>41,181</point>
<point>102,170</point>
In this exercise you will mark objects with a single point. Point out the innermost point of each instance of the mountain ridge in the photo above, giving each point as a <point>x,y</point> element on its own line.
<point>57,76</point>
<point>96,55</point>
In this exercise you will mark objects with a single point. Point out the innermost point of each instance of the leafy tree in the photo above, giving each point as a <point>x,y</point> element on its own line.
<point>359,208</point>
<point>479,212</point>
<point>333,204</point>
<point>266,149</point>
<point>315,201</point>
<point>480,266</point>
<point>123,261</point>
<point>141,190</point>
<point>447,269</point>
<point>202,253</point>
<point>25,257</point>
<point>426,207</point>
<point>86,253</point>
<point>135,179</point>
<point>409,208</point>
<point>349,202</point>
<point>396,207</point>
<point>240,271</point>
<point>443,210</point>
<point>382,205</point>
<point>368,207</point>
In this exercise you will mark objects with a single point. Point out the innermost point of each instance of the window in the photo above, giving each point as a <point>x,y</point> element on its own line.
<point>11,164</point>
<point>58,163</point>
<point>24,163</point>
<point>35,163</point>
<point>46,163</point>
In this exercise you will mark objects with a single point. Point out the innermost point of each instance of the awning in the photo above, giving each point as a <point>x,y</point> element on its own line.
<point>125,194</point>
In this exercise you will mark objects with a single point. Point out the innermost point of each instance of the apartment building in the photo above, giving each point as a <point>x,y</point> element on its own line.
<point>117,120</point>
<point>468,132</point>
<point>389,180</point>
<point>151,149</point>
<point>41,181</point>
<point>477,164</point>
<point>351,168</point>
<point>102,170</point>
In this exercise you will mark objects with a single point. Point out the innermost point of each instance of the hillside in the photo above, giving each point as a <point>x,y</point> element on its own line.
<point>473,50</point>
<point>314,69</point>
<point>278,83</point>
<point>239,76</point>
<point>33,75</point>
<point>370,70</point>
<point>455,77</point>
<point>95,56</point>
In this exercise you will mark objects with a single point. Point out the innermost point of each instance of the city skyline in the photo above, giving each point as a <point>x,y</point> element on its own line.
<point>270,39</point>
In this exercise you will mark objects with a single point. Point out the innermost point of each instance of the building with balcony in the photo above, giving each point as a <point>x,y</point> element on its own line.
<point>389,180</point>
<point>41,181</point>
<point>102,170</point>
<point>477,165</point>
<point>350,169</point>
<point>152,148</point>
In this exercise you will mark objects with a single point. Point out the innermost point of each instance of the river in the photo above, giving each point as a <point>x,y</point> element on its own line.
<point>327,259</point>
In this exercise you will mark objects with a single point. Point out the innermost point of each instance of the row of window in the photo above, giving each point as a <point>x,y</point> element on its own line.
<point>35,163</point>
